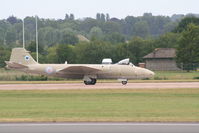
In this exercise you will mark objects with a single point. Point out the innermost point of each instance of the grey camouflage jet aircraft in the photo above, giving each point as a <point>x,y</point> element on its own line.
<point>123,70</point>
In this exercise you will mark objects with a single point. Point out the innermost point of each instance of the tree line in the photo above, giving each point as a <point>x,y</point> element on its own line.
<point>109,38</point>
<point>103,27</point>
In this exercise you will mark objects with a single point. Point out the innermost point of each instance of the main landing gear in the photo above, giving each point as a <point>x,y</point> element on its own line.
<point>124,82</point>
<point>91,82</point>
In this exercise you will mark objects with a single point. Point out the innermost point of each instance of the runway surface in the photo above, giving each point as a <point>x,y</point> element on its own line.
<point>99,128</point>
<point>99,86</point>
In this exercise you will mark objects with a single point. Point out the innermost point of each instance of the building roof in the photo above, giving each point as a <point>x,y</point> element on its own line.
<point>161,53</point>
<point>82,38</point>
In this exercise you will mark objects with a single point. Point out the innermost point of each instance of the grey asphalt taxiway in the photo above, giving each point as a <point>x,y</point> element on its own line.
<point>99,127</point>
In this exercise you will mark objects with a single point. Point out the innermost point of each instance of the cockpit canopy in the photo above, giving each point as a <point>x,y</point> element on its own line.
<point>124,62</point>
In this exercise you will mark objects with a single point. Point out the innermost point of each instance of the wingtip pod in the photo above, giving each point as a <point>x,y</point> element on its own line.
<point>21,56</point>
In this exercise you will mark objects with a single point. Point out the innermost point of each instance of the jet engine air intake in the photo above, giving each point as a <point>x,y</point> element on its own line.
<point>107,61</point>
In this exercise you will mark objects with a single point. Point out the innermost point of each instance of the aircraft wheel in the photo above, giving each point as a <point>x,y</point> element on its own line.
<point>86,82</point>
<point>124,82</point>
<point>92,82</point>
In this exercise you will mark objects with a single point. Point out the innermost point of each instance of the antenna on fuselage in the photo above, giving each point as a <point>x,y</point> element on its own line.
<point>37,46</point>
<point>23,35</point>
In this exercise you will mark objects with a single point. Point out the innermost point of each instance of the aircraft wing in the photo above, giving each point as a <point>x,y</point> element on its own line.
<point>79,70</point>
<point>15,65</point>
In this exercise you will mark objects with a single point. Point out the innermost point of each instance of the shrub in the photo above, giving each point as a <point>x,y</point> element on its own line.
<point>31,78</point>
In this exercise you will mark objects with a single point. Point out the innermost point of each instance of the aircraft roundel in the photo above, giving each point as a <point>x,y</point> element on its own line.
<point>49,70</point>
<point>27,58</point>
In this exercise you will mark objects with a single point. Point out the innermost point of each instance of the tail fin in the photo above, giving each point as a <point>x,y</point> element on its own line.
<point>22,56</point>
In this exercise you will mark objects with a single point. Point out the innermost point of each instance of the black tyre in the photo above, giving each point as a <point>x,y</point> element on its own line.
<point>92,82</point>
<point>124,82</point>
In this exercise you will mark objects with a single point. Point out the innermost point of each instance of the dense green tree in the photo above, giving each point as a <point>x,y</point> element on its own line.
<point>110,27</point>
<point>136,48</point>
<point>128,24</point>
<point>88,24</point>
<point>168,40</point>
<point>103,19</point>
<point>13,20</point>
<point>49,36</point>
<point>68,38</point>
<point>93,52</point>
<point>141,29</point>
<point>41,57</point>
<point>98,16</point>
<point>30,28</point>
<point>147,15</point>
<point>188,49</point>
<point>177,17</point>
<point>51,56</point>
<point>185,22</point>
<point>157,27</point>
<point>65,53</point>
<point>170,26</point>
<point>50,30</point>
<point>122,52</point>
<point>32,47</point>
<point>66,17</point>
<point>2,35</point>
<point>10,37</point>
<point>96,33</point>
<point>4,56</point>
<point>115,37</point>
<point>72,17</point>
<point>107,17</point>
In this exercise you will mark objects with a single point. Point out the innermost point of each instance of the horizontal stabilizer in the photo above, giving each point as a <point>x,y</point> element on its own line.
<point>79,69</point>
<point>15,65</point>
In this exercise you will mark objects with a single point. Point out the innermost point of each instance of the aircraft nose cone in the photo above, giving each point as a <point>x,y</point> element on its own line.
<point>151,74</point>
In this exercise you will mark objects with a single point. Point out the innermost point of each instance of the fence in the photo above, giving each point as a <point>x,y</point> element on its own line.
<point>189,66</point>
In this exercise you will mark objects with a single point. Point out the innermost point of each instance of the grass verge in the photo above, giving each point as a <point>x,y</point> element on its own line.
<point>98,81</point>
<point>12,75</point>
<point>176,75</point>
<point>165,105</point>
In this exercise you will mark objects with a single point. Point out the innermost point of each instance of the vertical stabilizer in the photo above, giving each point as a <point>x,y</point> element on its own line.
<point>22,56</point>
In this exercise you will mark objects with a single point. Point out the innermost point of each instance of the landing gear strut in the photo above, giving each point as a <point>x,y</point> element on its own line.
<point>92,82</point>
<point>124,82</point>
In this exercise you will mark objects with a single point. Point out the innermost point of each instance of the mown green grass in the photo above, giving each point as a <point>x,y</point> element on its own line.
<point>100,105</point>
<point>176,75</point>
<point>165,76</point>
<point>9,75</point>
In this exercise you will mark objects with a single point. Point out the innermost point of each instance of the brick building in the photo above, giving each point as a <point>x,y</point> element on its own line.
<point>162,59</point>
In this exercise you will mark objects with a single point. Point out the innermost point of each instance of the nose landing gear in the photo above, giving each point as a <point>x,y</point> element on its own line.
<point>124,81</point>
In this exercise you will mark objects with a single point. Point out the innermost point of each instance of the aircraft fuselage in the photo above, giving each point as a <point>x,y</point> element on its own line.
<point>107,71</point>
